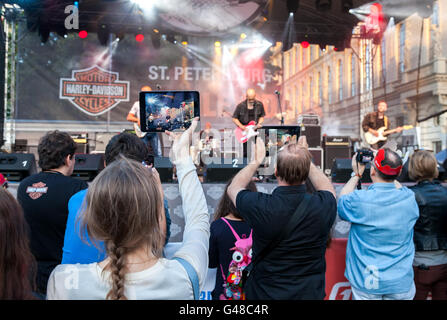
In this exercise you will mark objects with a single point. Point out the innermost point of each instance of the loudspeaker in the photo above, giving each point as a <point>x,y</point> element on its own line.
<point>17,166</point>
<point>222,172</point>
<point>342,170</point>
<point>317,157</point>
<point>88,166</point>
<point>335,147</point>
<point>164,168</point>
<point>313,135</point>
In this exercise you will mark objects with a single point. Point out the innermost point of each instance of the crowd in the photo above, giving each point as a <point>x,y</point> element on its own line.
<point>64,239</point>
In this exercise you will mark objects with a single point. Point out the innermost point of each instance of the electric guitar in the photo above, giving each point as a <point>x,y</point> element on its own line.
<point>372,139</point>
<point>243,135</point>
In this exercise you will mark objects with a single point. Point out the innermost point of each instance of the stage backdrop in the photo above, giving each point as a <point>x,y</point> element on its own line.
<point>73,79</point>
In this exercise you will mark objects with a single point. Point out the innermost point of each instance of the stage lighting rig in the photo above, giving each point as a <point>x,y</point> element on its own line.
<point>346,5</point>
<point>103,34</point>
<point>323,5</point>
<point>292,6</point>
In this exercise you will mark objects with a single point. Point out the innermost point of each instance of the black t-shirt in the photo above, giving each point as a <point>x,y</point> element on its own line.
<point>220,255</point>
<point>245,115</point>
<point>296,268</point>
<point>44,198</point>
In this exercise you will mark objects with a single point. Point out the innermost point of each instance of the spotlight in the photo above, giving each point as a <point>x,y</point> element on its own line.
<point>139,37</point>
<point>171,38</point>
<point>346,6</point>
<point>217,44</point>
<point>305,44</point>
<point>156,41</point>
<point>323,5</point>
<point>184,43</point>
<point>243,36</point>
<point>156,30</point>
<point>103,34</point>
<point>292,6</point>
<point>82,34</point>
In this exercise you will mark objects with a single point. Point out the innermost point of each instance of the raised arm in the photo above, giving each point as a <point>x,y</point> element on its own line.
<point>196,234</point>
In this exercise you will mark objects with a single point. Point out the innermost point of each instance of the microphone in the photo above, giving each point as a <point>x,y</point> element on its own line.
<point>277,92</point>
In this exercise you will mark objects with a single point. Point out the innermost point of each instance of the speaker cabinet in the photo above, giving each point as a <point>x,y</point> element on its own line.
<point>222,172</point>
<point>335,147</point>
<point>88,166</point>
<point>164,168</point>
<point>313,135</point>
<point>342,170</point>
<point>17,166</point>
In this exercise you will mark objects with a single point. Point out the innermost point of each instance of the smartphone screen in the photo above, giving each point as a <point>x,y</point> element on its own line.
<point>168,110</point>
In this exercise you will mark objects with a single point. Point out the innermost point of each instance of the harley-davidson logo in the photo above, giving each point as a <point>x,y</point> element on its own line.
<point>94,90</point>
<point>36,190</point>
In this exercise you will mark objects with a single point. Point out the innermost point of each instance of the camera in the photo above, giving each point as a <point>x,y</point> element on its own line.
<point>364,156</point>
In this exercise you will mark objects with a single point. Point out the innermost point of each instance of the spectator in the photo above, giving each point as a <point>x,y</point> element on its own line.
<point>430,231</point>
<point>44,197</point>
<point>134,241</point>
<point>17,264</point>
<point>75,250</point>
<point>226,231</point>
<point>295,267</point>
<point>380,248</point>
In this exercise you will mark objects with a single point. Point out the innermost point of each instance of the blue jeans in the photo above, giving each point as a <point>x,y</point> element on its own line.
<point>152,139</point>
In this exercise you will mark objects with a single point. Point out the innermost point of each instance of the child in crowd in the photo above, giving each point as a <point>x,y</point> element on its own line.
<point>230,248</point>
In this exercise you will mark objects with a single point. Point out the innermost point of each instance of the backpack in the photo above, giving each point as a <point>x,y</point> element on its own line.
<point>241,258</point>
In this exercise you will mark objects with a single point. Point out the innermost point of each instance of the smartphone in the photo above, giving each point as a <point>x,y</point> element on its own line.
<point>168,110</point>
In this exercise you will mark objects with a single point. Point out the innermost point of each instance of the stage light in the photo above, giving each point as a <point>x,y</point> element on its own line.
<point>292,6</point>
<point>217,44</point>
<point>156,42</point>
<point>82,34</point>
<point>139,37</point>
<point>346,6</point>
<point>305,44</point>
<point>103,34</point>
<point>156,30</point>
<point>243,36</point>
<point>323,5</point>
<point>185,43</point>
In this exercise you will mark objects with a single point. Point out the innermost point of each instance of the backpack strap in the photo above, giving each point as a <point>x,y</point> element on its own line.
<point>192,274</point>
<point>234,231</point>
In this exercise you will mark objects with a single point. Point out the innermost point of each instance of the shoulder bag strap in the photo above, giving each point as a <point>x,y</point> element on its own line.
<point>295,219</point>
<point>192,274</point>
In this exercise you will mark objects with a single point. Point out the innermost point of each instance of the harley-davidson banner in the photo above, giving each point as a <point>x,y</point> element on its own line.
<point>94,90</point>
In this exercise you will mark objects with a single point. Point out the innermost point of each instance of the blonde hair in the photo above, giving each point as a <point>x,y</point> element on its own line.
<point>123,208</point>
<point>423,166</point>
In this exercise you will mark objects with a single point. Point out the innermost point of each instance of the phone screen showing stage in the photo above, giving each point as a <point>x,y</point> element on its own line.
<point>168,110</point>
<point>278,136</point>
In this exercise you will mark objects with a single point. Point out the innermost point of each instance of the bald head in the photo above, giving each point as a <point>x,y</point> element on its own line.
<point>293,164</point>
<point>251,94</point>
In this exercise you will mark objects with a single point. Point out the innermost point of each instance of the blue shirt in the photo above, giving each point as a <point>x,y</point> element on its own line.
<point>79,250</point>
<point>380,250</point>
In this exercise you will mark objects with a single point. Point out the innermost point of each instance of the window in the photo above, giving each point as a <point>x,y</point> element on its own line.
<point>437,146</point>
<point>436,121</point>
<point>320,90</point>
<point>402,48</point>
<point>435,15</point>
<point>340,80</point>
<point>329,85</point>
<point>353,77</point>
<point>383,56</point>
<point>368,68</point>
<point>311,91</point>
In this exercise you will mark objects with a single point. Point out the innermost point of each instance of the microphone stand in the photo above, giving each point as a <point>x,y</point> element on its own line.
<point>280,109</point>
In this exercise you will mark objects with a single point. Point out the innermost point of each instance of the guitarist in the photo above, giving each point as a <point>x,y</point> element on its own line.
<point>376,120</point>
<point>147,137</point>
<point>249,110</point>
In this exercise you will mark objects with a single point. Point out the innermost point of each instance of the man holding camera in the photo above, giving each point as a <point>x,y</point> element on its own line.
<point>380,250</point>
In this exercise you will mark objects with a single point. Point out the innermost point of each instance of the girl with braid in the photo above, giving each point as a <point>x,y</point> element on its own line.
<point>124,209</point>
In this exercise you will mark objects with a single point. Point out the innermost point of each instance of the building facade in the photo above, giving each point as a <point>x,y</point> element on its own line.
<point>407,69</point>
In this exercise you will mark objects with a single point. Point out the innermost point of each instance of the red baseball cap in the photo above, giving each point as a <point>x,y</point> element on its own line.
<point>3,181</point>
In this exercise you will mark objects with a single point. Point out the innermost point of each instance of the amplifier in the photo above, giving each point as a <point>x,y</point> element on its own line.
<point>17,166</point>
<point>309,119</point>
<point>317,157</point>
<point>335,147</point>
<point>336,141</point>
<point>342,169</point>
<point>222,172</point>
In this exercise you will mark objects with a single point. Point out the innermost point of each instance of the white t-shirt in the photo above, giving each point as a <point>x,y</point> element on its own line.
<point>135,110</point>
<point>167,279</point>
